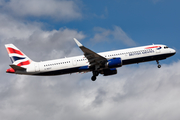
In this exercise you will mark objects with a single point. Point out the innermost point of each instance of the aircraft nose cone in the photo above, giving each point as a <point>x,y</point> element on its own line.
<point>173,51</point>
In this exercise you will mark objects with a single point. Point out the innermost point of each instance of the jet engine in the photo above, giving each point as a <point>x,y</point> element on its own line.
<point>115,62</point>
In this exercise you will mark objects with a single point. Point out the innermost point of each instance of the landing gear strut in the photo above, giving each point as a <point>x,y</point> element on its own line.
<point>95,73</point>
<point>159,66</point>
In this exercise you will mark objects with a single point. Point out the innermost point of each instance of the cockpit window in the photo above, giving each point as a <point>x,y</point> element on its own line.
<point>165,47</point>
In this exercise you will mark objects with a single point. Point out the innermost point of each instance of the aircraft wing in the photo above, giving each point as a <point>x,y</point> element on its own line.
<point>93,58</point>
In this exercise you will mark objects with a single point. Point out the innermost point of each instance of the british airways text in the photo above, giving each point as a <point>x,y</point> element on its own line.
<point>141,52</point>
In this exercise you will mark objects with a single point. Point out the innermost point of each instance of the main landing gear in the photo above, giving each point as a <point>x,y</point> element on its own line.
<point>159,66</point>
<point>95,73</point>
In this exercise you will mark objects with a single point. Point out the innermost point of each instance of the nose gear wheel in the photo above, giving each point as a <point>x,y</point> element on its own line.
<point>159,66</point>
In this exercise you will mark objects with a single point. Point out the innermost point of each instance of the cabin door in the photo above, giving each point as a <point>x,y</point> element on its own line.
<point>36,66</point>
<point>74,61</point>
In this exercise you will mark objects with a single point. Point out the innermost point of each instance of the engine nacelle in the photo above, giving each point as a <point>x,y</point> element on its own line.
<point>115,62</point>
<point>111,71</point>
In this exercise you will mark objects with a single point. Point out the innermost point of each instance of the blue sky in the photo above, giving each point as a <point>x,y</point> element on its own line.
<point>44,30</point>
<point>144,21</point>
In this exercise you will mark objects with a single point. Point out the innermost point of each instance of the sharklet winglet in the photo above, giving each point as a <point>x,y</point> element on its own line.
<point>78,43</point>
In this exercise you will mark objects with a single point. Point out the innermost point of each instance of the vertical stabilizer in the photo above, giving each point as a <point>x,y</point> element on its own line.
<point>17,57</point>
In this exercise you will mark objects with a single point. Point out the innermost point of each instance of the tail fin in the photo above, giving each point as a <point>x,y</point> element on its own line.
<point>17,57</point>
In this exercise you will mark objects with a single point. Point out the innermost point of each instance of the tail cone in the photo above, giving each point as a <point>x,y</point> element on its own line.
<point>10,70</point>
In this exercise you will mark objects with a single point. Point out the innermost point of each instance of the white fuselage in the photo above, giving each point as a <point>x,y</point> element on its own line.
<point>80,63</point>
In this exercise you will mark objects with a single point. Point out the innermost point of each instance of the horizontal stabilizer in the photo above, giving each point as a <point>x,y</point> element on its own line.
<point>15,67</point>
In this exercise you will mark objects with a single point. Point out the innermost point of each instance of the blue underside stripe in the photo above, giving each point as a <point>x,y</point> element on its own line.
<point>65,71</point>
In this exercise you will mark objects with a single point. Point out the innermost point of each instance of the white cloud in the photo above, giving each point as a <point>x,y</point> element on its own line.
<point>116,34</point>
<point>58,9</point>
<point>29,37</point>
<point>144,92</point>
<point>101,34</point>
<point>56,43</point>
<point>119,34</point>
<point>13,29</point>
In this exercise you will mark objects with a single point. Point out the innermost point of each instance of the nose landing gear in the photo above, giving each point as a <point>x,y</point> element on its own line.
<point>159,66</point>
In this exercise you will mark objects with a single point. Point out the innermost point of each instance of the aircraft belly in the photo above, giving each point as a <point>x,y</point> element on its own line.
<point>146,58</point>
<point>64,71</point>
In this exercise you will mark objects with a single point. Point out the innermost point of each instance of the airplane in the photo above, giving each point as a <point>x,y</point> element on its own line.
<point>105,63</point>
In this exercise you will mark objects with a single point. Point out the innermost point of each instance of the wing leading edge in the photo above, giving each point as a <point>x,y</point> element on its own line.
<point>93,58</point>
